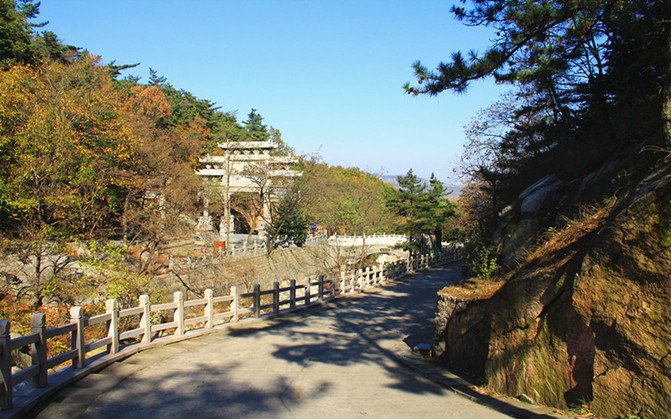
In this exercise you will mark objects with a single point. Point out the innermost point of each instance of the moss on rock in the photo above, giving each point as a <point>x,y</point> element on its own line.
<point>587,323</point>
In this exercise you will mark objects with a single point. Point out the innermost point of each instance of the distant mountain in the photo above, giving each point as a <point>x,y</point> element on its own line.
<point>456,189</point>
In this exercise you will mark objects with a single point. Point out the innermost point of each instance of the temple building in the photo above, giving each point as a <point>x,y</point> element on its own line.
<point>249,177</point>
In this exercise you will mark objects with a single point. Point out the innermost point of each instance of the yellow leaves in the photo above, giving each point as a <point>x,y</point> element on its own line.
<point>68,141</point>
<point>148,101</point>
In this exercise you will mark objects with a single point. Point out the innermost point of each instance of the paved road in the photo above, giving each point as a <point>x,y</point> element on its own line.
<point>338,362</point>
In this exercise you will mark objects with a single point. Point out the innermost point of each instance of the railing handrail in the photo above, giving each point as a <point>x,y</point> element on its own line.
<point>312,290</point>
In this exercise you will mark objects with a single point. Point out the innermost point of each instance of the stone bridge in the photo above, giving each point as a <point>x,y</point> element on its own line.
<point>344,353</point>
<point>376,243</point>
<point>382,240</point>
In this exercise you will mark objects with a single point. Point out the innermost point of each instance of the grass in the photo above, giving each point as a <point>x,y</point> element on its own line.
<point>473,289</point>
<point>553,250</point>
<point>554,241</point>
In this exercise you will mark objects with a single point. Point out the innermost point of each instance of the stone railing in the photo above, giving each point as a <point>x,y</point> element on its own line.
<point>145,322</point>
<point>197,262</point>
<point>255,249</point>
<point>371,240</point>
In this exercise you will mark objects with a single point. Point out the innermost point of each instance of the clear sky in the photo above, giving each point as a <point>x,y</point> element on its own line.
<point>327,74</point>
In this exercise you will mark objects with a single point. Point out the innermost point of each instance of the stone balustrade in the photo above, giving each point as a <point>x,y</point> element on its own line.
<point>367,240</point>
<point>148,325</point>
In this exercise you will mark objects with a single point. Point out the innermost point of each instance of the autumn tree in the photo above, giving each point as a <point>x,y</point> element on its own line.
<point>164,183</point>
<point>65,144</point>
<point>65,149</point>
<point>346,200</point>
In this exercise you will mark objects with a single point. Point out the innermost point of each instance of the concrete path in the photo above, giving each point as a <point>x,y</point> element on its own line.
<point>335,362</point>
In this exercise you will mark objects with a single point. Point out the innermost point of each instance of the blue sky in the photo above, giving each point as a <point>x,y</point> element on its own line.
<point>327,74</point>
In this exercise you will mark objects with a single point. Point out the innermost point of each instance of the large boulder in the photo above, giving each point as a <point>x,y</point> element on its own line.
<point>586,322</point>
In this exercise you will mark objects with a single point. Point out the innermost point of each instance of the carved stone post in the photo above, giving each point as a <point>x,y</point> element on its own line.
<point>235,304</point>
<point>39,349</point>
<point>76,316</point>
<point>308,295</point>
<point>5,367</point>
<point>209,309</point>
<point>292,294</point>
<point>320,289</point>
<point>333,285</point>
<point>145,321</point>
<point>257,300</point>
<point>276,297</point>
<point>112,308</point>
<point>178,317</point>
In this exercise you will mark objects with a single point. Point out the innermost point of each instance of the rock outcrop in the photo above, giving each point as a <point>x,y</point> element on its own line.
<point>586,319</point>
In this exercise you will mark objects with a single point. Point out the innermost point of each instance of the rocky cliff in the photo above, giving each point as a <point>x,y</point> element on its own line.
<point>585,317</point>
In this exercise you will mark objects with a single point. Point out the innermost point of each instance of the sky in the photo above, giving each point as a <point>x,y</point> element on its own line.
<point>327,74</point>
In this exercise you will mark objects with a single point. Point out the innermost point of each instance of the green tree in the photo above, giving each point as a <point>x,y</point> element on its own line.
<point>581,56</point>
<point>439,210</point>
<point>289,223</point>
<point>16,43</point>
<point>155,79</point>
<point>424,211</point>
<point>49,47</point>
<point>254,128</point>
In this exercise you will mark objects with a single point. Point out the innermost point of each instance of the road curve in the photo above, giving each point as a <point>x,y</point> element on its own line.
<point>334,362</point>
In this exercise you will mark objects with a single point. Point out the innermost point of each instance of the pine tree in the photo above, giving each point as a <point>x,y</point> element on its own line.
<point>569,51</point>
<point>254,128</point>
<point>289,222</point>
<point>16,44</point>
<point>424,211</point>
<point>155,79</point>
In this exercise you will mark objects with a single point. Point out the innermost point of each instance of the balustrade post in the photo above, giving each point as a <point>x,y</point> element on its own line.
<point>178,316</point>
<point>5,366</point>
<point>276,297</point>
<point>39,349</point>
<point>145,321</point>
<point>257,300</point>
<point>332,289</point>
<point>112,308</point>
<point>76,316</point>
<point>209,309</point>
<point>308,294</point>
<point>320,289</point>
<point>343,283</point>
<point>235,304</point>
<point>292,294</point>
